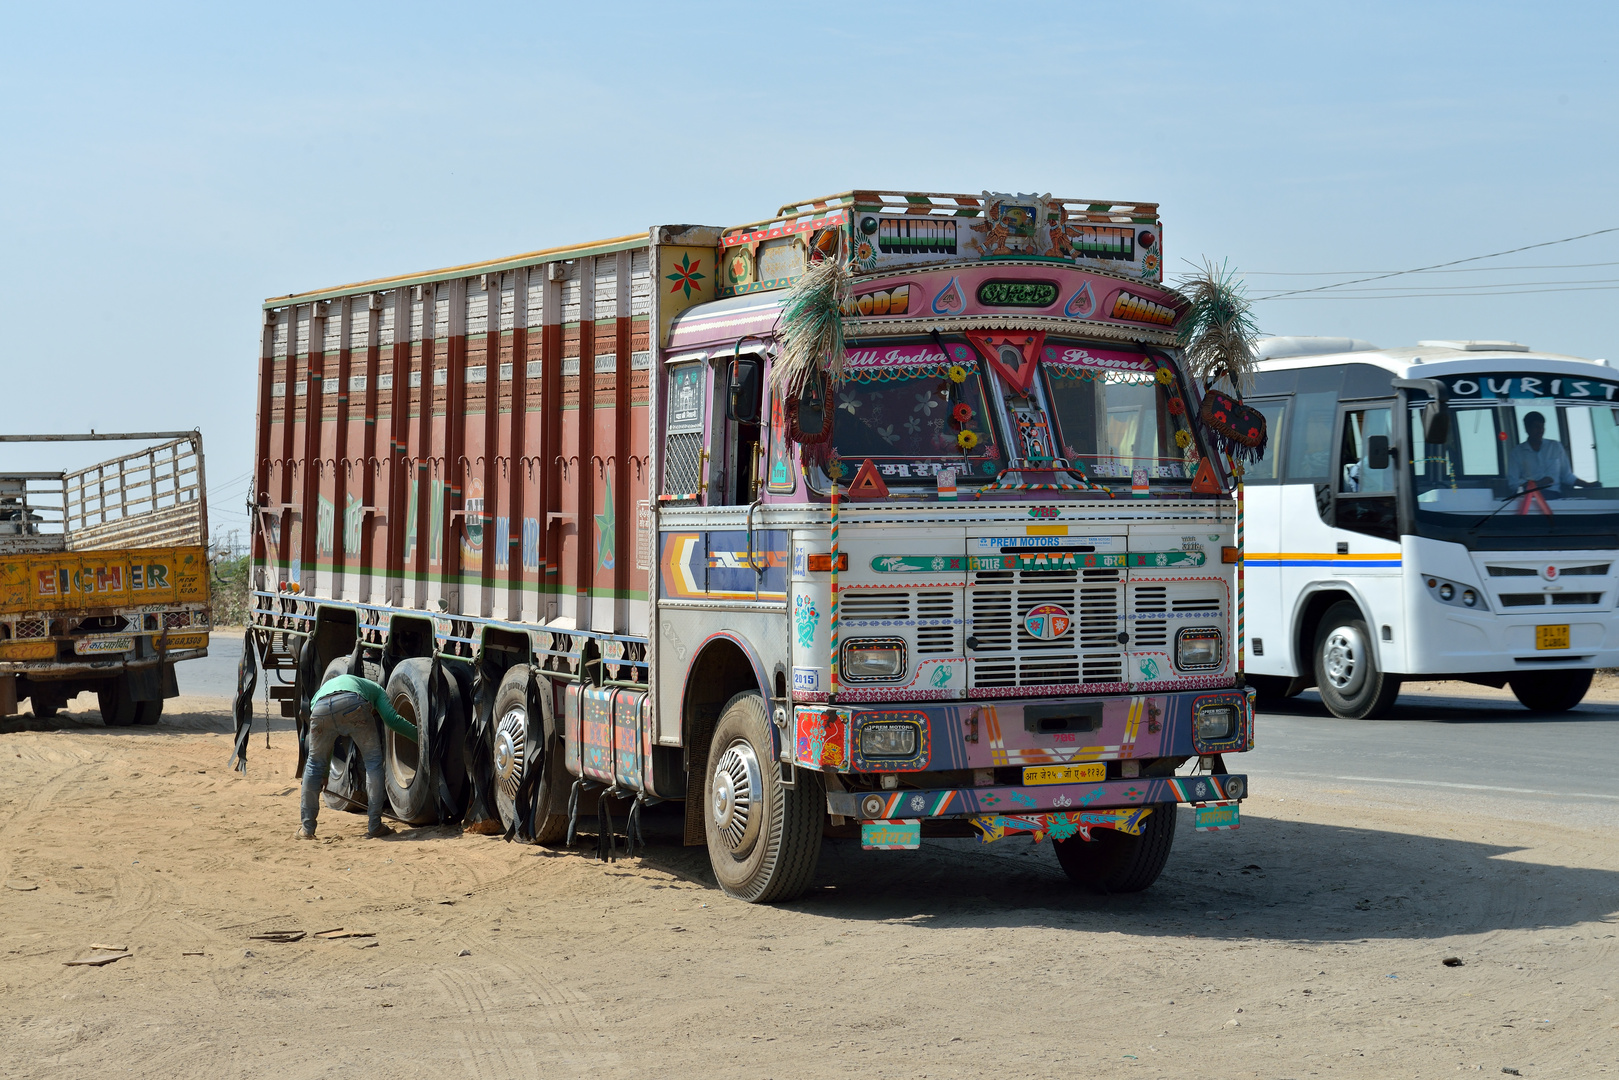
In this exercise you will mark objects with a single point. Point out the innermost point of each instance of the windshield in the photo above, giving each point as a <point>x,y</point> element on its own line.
<point>1115,421</point>
<point>903,408</point>
<point>1520,466</point>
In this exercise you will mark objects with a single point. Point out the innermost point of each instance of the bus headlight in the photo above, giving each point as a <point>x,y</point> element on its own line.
<point>1216,722</point>
<point>1470,598</point>
<point>1447,591</point>
<point>873,659</point>
<point>1199,648</point>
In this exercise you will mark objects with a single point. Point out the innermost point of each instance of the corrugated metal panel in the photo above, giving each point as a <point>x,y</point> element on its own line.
<point>301,342</point>
<point>360,329</point>
<point>570,293</point>
<point>416,309</point>
<point>332,340</point>
<point>283,322</point>
<point>477,308</point>
<point>536,296</point>
<point>606,286</point>
<point>386,333</point>
<point>441,317</point>
<point>640,284</point>
<point>508,303</point>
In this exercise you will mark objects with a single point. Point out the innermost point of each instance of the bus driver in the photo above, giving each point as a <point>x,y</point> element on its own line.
<point>1541,463</point>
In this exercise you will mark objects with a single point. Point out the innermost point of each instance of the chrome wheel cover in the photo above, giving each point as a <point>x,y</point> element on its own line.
<point>737,803</point>
<point>1344,659</point>
<point>511,751</point>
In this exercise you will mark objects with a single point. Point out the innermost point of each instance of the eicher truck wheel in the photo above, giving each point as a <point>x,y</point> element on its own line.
<point>405,768</point>
<point>520,748</point>
<point>1346,671</point>
<point>345,777</point>
<point>148,713</point>
<point>117,707</point>
<point>1116,862</point>
<point>1551,691</point>
<point>764,839</point>
<point>46,699</point>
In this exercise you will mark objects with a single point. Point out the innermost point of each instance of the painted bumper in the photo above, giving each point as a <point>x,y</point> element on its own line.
<point>971,802</point>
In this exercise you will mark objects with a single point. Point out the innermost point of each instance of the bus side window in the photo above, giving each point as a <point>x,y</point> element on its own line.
<point>1365,500</point>
<point>1265,470</point>
<point>1309,438</point>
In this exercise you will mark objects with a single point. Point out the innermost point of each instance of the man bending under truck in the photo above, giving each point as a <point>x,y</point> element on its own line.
<point>349,705</point>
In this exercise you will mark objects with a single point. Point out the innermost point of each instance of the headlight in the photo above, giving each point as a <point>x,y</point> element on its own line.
<point>1198,648</point>
<point>873,659</point>
<point>1470,598</point>
<point>1446,591</point>
<point>888,741</point>
<point>1216,722</point>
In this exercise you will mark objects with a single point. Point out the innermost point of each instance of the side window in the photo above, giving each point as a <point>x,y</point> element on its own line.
<point>1355,474</point>
<point>1309,437</point>
<point>1265,470</point>
<point>683,450</point>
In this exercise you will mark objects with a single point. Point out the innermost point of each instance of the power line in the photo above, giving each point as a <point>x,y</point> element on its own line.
<point>1463,290</point>
<point>1464,270</point>
<point>1438,266</point>
<point>1451,295</point>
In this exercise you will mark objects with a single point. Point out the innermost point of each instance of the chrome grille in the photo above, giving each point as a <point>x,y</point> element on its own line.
<point>1149,627</point>
<point>1004,653</point>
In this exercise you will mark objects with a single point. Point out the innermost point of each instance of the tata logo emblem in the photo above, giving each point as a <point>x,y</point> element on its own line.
<point>1047,622</point>
<point>1549,573</point>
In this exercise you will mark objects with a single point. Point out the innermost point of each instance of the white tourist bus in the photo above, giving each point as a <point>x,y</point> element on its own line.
<point>1487,554</point>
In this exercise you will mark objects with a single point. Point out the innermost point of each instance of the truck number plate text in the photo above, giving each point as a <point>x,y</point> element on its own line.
<point>1089,773</point>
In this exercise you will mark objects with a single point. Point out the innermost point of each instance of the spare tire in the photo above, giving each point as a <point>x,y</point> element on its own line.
<point>407,766</point>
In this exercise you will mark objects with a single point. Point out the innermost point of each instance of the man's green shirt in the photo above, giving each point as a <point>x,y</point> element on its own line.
<point>375,694</point>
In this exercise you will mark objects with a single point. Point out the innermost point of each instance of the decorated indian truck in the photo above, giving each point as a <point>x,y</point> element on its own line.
<point>103,577</point>
<point>889,516</point>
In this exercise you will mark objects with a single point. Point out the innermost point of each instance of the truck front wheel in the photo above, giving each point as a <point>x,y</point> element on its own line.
<point>1116,862</point>
<point>1551,691</point>
<point>764,838</point>
<point>1346,670</point>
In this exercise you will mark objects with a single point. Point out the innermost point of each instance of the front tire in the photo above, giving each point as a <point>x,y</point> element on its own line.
<point>764,839</point>
<point>1352,687</point>
<point>1116,862</point>
<point>1551,691</point>
<point>520,748</point>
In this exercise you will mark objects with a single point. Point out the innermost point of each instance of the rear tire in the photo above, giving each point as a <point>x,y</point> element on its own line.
<point>405,768</point>
<point>46,701</point>
<point>520,748</point>
<point>1551,691</point>
<point>148,713</point>
<point>345,779</point>
<point>117,707</point>
<point>1346,672</point>
<point>1116,862</point>
<point>764,839</point>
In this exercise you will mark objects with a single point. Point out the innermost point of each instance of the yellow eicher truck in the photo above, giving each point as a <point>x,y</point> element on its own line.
<point>103,577</point>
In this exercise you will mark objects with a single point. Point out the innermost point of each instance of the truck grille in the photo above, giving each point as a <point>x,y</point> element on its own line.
<point>930,619</point>
<point>1006,653</point>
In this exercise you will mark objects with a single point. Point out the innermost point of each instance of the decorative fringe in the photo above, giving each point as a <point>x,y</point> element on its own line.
<point>1217,332</point>
<point>812,327</point>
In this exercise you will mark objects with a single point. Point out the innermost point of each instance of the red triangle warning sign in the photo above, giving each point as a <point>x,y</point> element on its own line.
<point>1205,482</point>
<point>868,483</point>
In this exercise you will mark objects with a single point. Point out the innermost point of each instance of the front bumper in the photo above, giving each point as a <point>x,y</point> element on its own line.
<point>1054,798</point>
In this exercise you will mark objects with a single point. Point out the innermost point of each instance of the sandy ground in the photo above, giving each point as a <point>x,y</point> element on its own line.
<point>1309,943</point>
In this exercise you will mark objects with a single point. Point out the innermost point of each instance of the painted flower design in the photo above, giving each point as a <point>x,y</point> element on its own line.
<point>864,255</point>
<point>925,404</point>
<point>849,400</point>
<point>890,438</point>
<point>912,425</point>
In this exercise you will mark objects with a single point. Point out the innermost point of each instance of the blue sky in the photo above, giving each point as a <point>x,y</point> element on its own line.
<point>164,169</point>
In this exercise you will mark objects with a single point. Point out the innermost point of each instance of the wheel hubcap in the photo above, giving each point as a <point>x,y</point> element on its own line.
<point>738,787</point>
<point>511,751</point>
<point>1343,655</point>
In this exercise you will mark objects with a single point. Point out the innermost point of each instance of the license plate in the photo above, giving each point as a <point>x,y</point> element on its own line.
<point>1551,637</point>
<point>188,641</point>
<point>1088,773</point>
<point>1218,816</point>
<point>103,645</point>
<point>897,835</point>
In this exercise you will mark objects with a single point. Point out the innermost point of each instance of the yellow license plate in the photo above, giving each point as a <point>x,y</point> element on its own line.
<point>1088,773</point>
<point>1551,637</point>
<point>188,641</point>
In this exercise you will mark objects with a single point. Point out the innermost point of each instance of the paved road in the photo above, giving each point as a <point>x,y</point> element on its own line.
<point>1455,738</point>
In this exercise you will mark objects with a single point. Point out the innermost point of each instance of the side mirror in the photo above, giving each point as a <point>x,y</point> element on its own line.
<point>1435,424</point>
<point>812,408</point>
<point>1377,451</point>
<point>742,397</point>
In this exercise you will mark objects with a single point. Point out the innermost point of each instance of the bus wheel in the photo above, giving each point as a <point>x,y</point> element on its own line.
<point>1551,691</point>
<point>1346,671</point>
<point>764,839</point>
<point>519,750</point>
<point>1116,862</point>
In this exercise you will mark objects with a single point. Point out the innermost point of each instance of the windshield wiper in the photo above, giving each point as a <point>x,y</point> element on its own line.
<point>1509,500</point>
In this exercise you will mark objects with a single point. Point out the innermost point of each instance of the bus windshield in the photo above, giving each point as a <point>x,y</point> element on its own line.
<point>1519,467</point>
